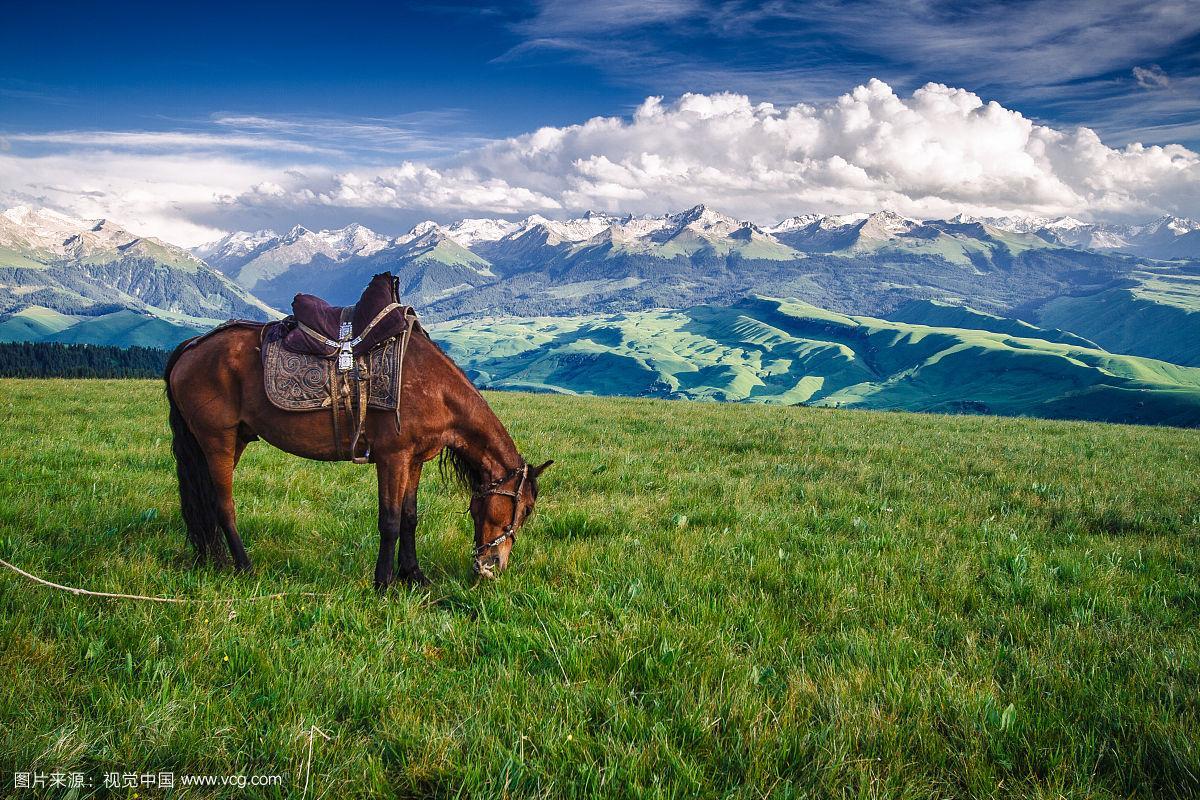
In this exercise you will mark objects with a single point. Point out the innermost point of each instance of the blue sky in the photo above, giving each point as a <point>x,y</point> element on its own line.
<point>293,97</point>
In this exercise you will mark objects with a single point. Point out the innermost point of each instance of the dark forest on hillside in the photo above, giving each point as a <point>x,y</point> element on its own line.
<point>53,360</point>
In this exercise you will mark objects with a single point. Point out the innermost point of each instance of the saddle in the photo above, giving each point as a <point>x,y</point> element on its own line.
<point>344,359</point>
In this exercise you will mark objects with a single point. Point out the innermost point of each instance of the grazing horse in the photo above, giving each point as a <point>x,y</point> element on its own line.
<point>218,404</point>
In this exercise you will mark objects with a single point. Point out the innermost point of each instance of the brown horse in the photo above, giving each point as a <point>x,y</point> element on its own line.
<point>218,405</point>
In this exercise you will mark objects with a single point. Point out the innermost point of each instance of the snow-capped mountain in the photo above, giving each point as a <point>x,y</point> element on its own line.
<point>449,264</point>
<point>856,263</point>
<point>429,260</point>
<point>251,258</point>
<point>829,233</point>
<point>235,247</point>
<point>470,232</point>
<point>92,280</point>
<point>1166,237</point>
<point>40,229</point>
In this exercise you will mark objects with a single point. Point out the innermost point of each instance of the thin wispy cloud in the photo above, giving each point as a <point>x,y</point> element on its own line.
<point>789,52</point>
<point>419,134</point>
<point>1151,77</point>
<point>172,141</point>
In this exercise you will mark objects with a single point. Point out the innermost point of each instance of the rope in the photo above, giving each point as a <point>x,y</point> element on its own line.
<point>116,596</point>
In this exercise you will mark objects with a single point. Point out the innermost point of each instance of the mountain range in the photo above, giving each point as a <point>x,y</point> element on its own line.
<point>1132,290</point>
<point>857,263</point>
<point>70,280</point>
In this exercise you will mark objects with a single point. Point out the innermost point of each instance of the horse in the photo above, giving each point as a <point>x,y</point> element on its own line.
<point>218,405</point>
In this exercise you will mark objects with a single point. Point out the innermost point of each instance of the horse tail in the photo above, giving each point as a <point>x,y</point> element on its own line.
<point>197,492</point>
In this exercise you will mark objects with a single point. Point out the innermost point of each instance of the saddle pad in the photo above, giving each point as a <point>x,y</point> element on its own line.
<point>299,382</point>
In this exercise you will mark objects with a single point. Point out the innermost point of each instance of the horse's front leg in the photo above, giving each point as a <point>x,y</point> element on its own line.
<point>410,571</point>
<point>397,521</point>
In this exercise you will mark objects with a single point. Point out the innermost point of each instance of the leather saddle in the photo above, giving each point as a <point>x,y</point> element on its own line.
<point>343,359</point>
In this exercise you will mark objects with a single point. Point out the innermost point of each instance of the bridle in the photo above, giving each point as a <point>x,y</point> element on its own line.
<point>510,530</point>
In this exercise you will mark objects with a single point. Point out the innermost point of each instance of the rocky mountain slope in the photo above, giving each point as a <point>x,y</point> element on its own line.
<point>74,280</point>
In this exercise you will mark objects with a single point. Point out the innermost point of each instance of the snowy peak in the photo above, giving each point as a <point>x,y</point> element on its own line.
<point>236,245</point>
<point>1167,225</point>
<point>260,253</point>
<point>1166,237</point>
<point>470,232</point>
<point>703,221</point>
<point>427,231</point>
<point>47,236</point>
<point>28,228</point>
<point>795,223</point>
<point>884,225</point>
<point>354,239</point>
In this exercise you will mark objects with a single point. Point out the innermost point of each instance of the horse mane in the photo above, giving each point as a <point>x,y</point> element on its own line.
<point>455,467</point>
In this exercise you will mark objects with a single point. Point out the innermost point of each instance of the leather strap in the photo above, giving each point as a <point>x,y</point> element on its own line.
<point>357,340</point>
<point>356,400</point>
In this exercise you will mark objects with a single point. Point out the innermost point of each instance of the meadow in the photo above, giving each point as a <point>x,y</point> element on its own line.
<point>711,601</point>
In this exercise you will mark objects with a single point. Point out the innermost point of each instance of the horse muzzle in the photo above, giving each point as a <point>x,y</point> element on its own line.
<point>489,567</point>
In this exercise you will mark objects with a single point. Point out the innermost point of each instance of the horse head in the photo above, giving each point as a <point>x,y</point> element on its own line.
<point>499,509</point>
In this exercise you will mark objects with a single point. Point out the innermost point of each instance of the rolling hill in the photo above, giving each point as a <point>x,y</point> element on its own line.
<point>787,352</point>
<point>1153,313</point>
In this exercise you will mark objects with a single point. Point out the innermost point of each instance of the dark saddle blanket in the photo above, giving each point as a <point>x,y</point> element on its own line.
<point>322,356</point>
<point>335,323</point>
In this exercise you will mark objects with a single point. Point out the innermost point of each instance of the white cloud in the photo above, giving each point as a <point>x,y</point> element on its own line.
<point>933,153</point>
<point>937,152</point>
<point>149,193</point>
<point>1151,77</point>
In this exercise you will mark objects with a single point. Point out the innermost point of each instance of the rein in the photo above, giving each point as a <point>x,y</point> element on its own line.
<point>510,530</point>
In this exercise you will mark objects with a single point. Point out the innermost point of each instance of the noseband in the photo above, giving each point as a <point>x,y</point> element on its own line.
<point>510,530</point>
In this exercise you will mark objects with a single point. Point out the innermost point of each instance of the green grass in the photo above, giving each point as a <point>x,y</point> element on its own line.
<point>712,600</point>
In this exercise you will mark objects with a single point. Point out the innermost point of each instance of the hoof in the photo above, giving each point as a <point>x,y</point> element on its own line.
<point>416,579</point>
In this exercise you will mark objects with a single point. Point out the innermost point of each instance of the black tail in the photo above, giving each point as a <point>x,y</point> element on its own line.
<point>197,494</point>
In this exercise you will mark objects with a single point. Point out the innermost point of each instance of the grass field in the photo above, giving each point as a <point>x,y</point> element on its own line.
<point>712,600</point>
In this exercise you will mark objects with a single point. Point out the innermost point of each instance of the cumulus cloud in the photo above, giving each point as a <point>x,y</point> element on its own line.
<point>933,153</point>
<point>937,152</point>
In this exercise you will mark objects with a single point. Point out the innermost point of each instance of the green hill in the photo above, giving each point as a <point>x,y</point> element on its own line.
<point>1159,316</point>
<point>119,329</point>
<point>939,314</point>
<point>777,351</point>
<point>33,323</point>
<point>126,329</point>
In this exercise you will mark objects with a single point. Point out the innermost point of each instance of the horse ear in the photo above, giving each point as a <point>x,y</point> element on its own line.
<point>539,470</point>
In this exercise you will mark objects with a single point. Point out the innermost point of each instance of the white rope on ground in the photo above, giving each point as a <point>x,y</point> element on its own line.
<point>184,600</point>
<point>308,764</point>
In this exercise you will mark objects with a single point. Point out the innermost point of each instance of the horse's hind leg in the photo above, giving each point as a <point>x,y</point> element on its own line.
<point>222,458</point>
